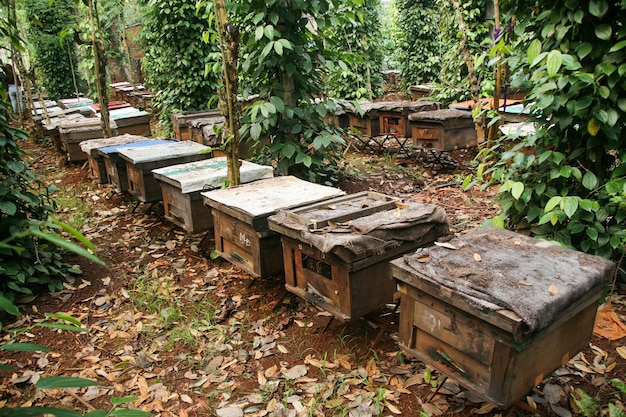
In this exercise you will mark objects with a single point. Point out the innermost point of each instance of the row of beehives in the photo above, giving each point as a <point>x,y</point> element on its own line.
<point>423,123</point>
<point>136,95</point>
<point>68,122</point>
<point>496,310</point>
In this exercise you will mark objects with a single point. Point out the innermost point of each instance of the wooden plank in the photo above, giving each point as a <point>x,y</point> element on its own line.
<point>340,209</point>
<point>260,199</point>
<point>209,174</point>
<point>161,152</point>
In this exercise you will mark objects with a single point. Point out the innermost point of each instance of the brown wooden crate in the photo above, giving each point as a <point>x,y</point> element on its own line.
<point>97,169</point>
<point>364,125</point>
<point>238,242</point>
<point>484,357</point>
<point>116,172</point>
<point>186,210</point>
<point>140,129</point>
<point>394,123</point>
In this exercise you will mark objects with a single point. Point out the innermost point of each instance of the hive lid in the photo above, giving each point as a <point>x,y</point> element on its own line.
<point>265,197</point>
<point>495,269</point>
<point>88,145</point>
<point>159,152</point>
<point>146,142</point>
<point>209,174</point>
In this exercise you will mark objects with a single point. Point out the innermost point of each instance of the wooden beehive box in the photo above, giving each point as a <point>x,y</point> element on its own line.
<point>181,186</point>
<point>179,122</point>
<point>336,252</point>
<point>420,91</point>
<point>393,115</point>
<point>202,130</point>
<point>365,122</point>
<point>242,234</point>
<point>498,311</point>
<point>115,166</point>
<point>73,132</point>
<point>132,121</point>
<point>140,161</point>
<point>97,167</point>
<point>443,130</point>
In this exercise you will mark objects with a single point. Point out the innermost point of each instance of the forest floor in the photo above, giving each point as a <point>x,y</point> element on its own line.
<point>189,335</point>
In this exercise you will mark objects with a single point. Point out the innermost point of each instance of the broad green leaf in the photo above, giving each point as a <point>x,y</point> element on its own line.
<point>517,189</point>
<point>598,8</point>
<point>612,117</point>
<point>285,43</point>
<point>255,131</point>
<point>586,204</point>
<point>584,49</point>
<point>570,206</point>
<point>307,161</point>
<point>552,203</point>
<point>498,221</point>
<point>278,103</point>
<point>590,181</point>
<point>618,46</point>
<point>604,91</point>
<point>8,208</point>
<point>593,127</point>
<point>553,62</point>
<point>65,382</point>
<point>278,47</point>
<point>533,50</point>
<point>24,347</point>
<point>96,413</point>
<point>288,150</point>
<point>8,306</point>
<point>258,33</point>
<point>592,233</point>
<point>604,32</point>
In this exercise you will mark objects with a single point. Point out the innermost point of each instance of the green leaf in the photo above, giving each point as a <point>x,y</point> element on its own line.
<point>63,327</point>
<point>8,208</point>
<point>255,131</point>
<point>517,189</point>
<point>24,347</point>
<point>67,245</point>
<point>570,206</point>
<point>258,33</point>
<point>552,203</point>
<point>123,400</point>
<point>278,48</point>
<point>604,32</point>
<point>618,46</point>
<point>64,317</point>
<point>289,150</point>
<point>8,306</point>
<point>307,161</point>
<point>65,382</point>
<point>604,91</point>
<point>598,8</point>
<point>590,181</point>
<point>498,221</point>
<point>553,62</point>
<point>96,413</point>
<point>123,412</point>
<point>592,233</point>
<point>533,50</point>
<point>593,126</point>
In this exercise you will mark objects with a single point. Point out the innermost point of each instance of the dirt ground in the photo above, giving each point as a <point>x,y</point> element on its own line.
<point>189,335</point>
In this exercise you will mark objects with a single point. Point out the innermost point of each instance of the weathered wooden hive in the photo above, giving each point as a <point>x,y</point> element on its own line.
<point>115,166</point>
<point>140,161</point>
<point>444,130</point>
<point>336,252</point>
<point>182,184</point>
<point>179,122</point>
<point>97,166</point>
<point>72,132</point>
<point>388,117</point>
<point>132,121</point>
<point>202,130</point>
<point>242,234</point>
<point>496,310</point>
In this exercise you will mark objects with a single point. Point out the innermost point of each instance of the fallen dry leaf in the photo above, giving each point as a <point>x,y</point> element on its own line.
<point>446,245</point>
<point>423,258</point>
<point>621,350</point>
<point>553,290</point>
<point>477,257</point>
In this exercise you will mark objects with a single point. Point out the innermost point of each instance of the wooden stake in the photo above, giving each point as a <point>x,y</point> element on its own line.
<point>493,129</point>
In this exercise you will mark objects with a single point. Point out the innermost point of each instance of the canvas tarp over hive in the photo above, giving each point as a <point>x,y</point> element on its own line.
<point>496,269</point>
<point>372,234</point>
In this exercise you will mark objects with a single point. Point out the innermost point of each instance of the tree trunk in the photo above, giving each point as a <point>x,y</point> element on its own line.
<point>99,67</point>
<point>229,106</point>
<point>479,121</point>
<point>493,129</point>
